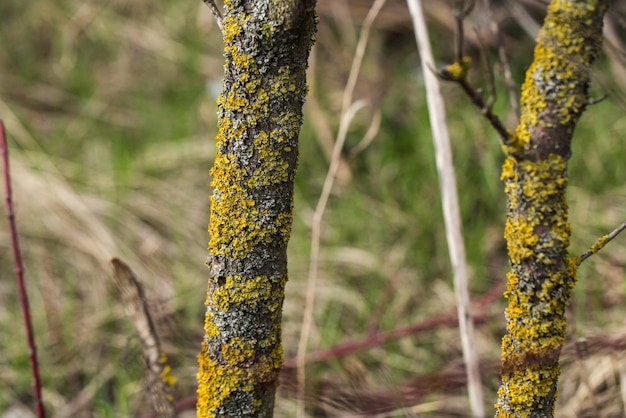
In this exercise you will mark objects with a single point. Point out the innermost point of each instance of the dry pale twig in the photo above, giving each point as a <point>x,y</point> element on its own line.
<point>324,134</point>
<point>19,274</point>
<point>348,110</point>
<point>452,217</point>
<point>369,136</point>
<point>216,13</point>
<point>160,380</point>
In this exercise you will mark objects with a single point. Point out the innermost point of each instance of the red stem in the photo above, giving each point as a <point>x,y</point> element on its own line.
<point>19,274</point>
<point>445,320</point>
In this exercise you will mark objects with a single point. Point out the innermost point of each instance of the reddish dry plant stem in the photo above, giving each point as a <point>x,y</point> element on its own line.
<point>19,274</point>
<point>448,319</point>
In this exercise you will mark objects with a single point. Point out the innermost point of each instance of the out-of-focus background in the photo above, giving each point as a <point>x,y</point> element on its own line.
<point>110,110</point>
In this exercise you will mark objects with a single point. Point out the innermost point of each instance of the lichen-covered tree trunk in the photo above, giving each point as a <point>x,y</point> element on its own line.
<point>542,275</point>
<point>266,47</point>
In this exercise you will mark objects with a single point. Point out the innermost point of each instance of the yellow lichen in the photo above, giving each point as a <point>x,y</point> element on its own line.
<point>599,244</point>
<point>554,95</point>
<point>458,70</point>
<point>536,230</point>
<point>251,207</point>
<point>238,290</point>
<point>238,350</point>
<point>217,380</point>
<point>166,373</point>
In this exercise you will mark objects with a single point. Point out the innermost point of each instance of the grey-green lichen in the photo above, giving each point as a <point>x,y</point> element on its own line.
<point>266,47</point>
<point>537,231</point>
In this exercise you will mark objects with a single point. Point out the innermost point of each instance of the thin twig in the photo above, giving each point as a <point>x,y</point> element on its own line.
<point>348,110</point>
<point>216,14</point>
<point>597,100</point>
<point>460,14</point>
<point>451,212</point>
<point>476,97</point>
<point>491,79</point>
<point>19,274</point>
<point>369,136</point>
<point>504,60</point>
<point>457,72</point>
<point>602,242</point>
<point>460,36</point>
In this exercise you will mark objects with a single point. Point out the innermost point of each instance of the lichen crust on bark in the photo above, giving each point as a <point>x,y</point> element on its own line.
<point>266,47</point>
<point>555,91</point>
<point>554,95</point>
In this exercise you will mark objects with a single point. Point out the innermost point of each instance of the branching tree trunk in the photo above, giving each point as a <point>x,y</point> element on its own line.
<point>542,275</point>
<point>266,46</point>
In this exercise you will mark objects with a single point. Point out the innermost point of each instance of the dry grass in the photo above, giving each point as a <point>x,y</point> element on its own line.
<point>110,108</point>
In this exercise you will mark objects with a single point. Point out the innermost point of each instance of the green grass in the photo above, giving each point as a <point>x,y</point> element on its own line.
<point>111,125</point>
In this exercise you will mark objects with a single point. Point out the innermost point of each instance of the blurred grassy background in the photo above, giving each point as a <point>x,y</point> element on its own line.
<point>110,110</point>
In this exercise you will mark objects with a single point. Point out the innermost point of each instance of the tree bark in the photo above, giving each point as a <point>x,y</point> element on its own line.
<point>542,274</point>
<point>266,47</point>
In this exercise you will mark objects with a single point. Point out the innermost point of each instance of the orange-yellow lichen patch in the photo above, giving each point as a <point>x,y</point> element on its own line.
<point>599,244</point>
<point>237,224</point>
<point>458,70</point>
<point>234,24</point>
<point>240,290</point>
<point>518,395</point>
<point>558,75</point>
<point>215,383</point>
<point>536,192</point>
<point>166,376</point>
<point>522,239</point>
<point>238,350</point>
<point>217,380</point>
<point>210,329</point>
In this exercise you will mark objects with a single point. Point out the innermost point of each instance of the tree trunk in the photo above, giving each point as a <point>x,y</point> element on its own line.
<point>542,275</point>
<point>266,46</point>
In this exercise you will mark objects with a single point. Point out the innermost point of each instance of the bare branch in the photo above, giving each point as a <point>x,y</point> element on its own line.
<point>597,100</point>
<point>464,9</point>
<point>160,381</point>
<point>602,242</point>
<point>450,204</point>
<point>348,111</point>
<point>451,73</point>
<point>457,72</point>
<point>216,13</point>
